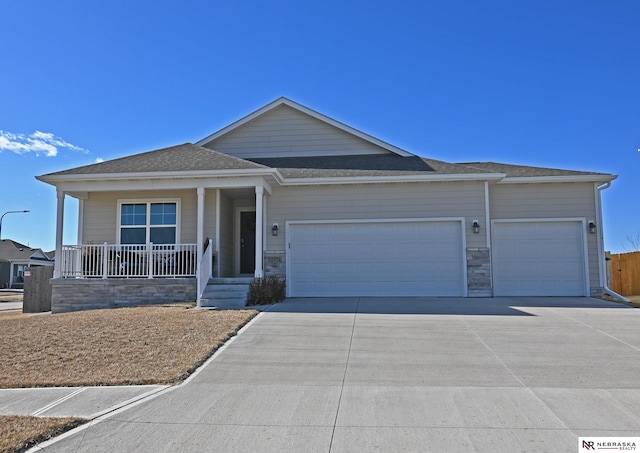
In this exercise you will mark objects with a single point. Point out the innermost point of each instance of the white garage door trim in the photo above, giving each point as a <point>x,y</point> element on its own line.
<point>291,224</point>
<point>581,224</point>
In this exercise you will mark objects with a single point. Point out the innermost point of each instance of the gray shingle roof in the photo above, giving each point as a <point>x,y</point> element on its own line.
<point>12,250</point>
<point>185,157</point>
<point>527,171</point>
<point>190,157</point>
<point>361,165</point>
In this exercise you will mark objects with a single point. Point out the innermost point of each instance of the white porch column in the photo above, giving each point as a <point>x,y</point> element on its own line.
<point>81,221</point>
<point>200,226</point>
<point>11,266</point>
<point>59,229</point>
<point>217,265</point>
<point>259,230</point>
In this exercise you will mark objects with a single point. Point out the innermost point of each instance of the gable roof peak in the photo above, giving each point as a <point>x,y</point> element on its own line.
<point>282,100</point>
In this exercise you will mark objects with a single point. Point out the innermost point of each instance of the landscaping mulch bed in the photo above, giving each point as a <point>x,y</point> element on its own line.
<point>19,433</point>
<point>125,346</point>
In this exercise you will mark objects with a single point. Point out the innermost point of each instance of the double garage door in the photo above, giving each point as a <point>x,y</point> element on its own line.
<point>377,258</point>
<point>539,258</point>
<point>427,258</point>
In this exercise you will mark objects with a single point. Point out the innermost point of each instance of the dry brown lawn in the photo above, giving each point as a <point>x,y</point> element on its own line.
<point>19,433</point>
<point>125,346</point>
<point>143,345</point>
<point>8,314</point>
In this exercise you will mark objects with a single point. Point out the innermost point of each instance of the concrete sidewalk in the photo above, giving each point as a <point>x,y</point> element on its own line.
<point>85,402</point>
<point>413,374</point>
<point>10,306</point>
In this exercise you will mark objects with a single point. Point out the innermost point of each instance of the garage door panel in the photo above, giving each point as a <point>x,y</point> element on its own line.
<point>377,258</point>
<point>539,259</point>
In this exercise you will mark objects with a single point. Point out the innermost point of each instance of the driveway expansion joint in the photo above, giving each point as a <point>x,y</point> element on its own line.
<point>344,376</point>
<point>57,402</point>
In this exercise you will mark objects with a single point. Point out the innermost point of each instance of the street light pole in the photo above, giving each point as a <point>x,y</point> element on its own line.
<point>8,212</point>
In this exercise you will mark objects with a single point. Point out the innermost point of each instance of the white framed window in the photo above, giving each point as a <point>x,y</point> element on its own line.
<point>144,221</point>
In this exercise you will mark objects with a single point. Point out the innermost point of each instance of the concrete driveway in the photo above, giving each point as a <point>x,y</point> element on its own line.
<point>11,299</point>
<point>406,374</point>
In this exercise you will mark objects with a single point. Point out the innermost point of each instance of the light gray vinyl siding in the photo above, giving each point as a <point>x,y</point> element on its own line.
<point>100,214</point>
<point>286,132</point>
<point>377,201</point>
<point>521,201</point>
<point>225,253</point>
<point>189,217</point>
<point>545,201</point>
<point>100,217</point>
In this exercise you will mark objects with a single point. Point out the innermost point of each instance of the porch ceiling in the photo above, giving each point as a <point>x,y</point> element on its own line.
<point>240,192</point>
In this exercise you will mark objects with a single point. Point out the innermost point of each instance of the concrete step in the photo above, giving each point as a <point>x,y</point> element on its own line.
<point>223,303</point>
<point>233,288</point>
<point>226,293</point>
<point>231,281</point>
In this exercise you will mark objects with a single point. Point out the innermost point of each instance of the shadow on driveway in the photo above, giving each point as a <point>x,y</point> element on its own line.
<point>497,306</point>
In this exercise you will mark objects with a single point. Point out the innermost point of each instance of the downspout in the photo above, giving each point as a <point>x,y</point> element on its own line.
<point>600,239</point>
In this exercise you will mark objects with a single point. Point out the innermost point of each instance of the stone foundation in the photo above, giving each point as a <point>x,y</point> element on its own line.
<point>70,294</point>
<point>275,264</point>
<point>479,272</point>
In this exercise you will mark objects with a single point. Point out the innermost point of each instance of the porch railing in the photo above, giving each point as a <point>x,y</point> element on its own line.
<point>205,270</point>
<point>129,261</point>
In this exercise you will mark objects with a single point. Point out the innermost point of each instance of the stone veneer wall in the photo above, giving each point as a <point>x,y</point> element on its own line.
<point>479,272</point>
<point>90,294</point>
<point>275,264</point>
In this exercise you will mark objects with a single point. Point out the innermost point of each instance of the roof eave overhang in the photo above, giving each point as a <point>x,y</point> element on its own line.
<point>551,179</point>
<point>390,179</point>
<point>53,179</point>
<point>26,261</point>
<point>70,182</point>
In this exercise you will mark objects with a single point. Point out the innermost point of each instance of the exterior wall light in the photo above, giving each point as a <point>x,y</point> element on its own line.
<point>475,226</point>
<point>274,229</point>
<point>591,226</point>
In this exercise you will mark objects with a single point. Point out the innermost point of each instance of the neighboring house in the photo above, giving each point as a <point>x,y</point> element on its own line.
<point>288,191</point>
<point>15,258</point>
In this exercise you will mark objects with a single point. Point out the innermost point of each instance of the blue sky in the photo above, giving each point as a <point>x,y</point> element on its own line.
<point>543,83</point>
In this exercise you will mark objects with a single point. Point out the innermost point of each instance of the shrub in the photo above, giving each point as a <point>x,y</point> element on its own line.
<point>267,290</point>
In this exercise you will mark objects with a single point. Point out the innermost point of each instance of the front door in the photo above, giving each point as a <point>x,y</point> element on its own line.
<point>247,242</point>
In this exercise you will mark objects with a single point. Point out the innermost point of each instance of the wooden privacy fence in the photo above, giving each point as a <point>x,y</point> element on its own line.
<point>37,289</point>
<point>625,273</point>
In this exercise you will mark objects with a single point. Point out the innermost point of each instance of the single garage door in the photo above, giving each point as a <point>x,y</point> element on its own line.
<point>399,258</point>
<point>539,259</point>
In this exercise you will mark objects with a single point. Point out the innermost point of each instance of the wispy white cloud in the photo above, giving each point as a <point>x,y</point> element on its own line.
<point>99,160</point>
<point>40,143</point>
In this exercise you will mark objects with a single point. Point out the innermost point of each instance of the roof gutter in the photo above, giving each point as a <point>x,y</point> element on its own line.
<point>52,179</point>
<point>384,179</point>
<point>564,178</point>
<point>273,172</point>
<point>601,257</point>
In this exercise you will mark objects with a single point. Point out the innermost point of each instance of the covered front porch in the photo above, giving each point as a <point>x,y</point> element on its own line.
<point>215,230</point>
